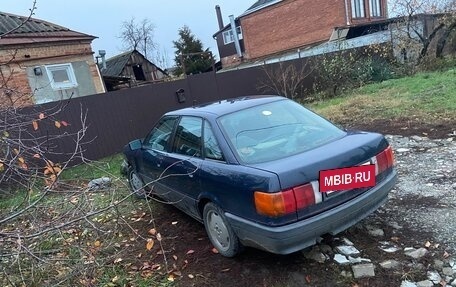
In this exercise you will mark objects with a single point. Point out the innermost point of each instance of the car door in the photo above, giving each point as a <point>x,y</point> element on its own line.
<point>182,165</point>
<point>155,148</point>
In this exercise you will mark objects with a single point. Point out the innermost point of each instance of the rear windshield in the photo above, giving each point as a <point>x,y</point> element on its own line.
<point>276,130</point>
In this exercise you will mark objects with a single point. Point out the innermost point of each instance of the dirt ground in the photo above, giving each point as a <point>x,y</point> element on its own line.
<point>190,253</point>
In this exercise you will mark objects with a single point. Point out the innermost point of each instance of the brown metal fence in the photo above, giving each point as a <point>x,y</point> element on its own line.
<point>115,118</point>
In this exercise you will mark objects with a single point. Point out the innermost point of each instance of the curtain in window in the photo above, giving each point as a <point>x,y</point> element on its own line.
<point>358,8</point>
<point>375,8</point>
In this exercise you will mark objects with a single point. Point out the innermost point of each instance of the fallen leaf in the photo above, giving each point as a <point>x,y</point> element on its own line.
<point>2,167</point>
<point>35,125</point>
<point>190,251</point>
<point>57,124</point>
<point>443,283</point>
<point>36,156</point>
<point>65,124</point>
<point>395,238</point>
<point>150,244</point>
<point>118,260</point>
<point>41,116</point>
<point>446,254</point>
<point>436,245</point>
<point>214,250</point>
<point>175,257</point>
<point>115,279</point>
<point>226,270</point>
<point>427,244</point>
<point>174,222</point>
<point>190,276</point>
<point>308,279</point>
<point>97,243</point>
<point>21,159</point>
<point>152,231</point>
<point>159,237</point>
<point>171,278</point>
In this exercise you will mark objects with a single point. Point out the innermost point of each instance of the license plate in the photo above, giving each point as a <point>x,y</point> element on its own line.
<point>347,178</point>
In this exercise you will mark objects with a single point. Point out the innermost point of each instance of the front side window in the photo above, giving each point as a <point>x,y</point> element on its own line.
<point>188,137</point>
<point>211,147</point>
<point>61,76</point>
<point>228,36</point>
<point>375,8</point>
<point>276,130</point>
<point>357,8</point>
<point>159,136</point>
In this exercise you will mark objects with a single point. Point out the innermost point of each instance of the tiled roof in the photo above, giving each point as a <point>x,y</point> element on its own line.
<point>22,30</point>
<point>116,64</point>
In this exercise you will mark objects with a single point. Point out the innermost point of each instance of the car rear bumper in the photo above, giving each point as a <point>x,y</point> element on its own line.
<point>297,236</point>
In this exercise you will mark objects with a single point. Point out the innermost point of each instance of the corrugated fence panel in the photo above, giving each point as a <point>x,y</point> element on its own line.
<point>115,118</point>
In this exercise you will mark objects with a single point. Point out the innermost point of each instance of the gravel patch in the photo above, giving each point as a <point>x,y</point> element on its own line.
<point>425,195</point>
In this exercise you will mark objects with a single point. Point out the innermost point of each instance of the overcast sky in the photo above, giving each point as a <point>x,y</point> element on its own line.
<point>103,18</point>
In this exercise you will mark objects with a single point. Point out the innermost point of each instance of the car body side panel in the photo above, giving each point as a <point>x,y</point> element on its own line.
<point>234,187</point>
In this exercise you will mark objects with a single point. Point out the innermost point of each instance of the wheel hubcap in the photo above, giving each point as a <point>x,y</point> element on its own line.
<point>136,183</point>
<point>218,230</point>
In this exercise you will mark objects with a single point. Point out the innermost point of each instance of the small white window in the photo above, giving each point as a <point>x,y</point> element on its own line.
<point>375,8</point>
<point>228,36</point>
<point>357,8</point>
<point>61,76</point>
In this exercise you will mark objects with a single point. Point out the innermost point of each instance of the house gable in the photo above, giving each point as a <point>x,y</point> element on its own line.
<point>45,62</point>
<point>275,26</point>
<point>130,67</point>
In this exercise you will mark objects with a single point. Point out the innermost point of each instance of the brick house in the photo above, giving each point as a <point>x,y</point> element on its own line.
<point>130,69</point>
<point>43,62</point>
<point>273,26</point>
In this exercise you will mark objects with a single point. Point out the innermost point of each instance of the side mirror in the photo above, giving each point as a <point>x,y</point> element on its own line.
<point>136,144</point>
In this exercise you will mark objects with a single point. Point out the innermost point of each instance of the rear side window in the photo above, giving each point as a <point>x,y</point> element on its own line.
<point>188,137</point>
<point>276,130</point>
<point>159,136</point>
<point>211,147</point>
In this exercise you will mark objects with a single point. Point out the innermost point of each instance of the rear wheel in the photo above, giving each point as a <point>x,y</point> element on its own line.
<point>136,183</point>
<point>220,232</point>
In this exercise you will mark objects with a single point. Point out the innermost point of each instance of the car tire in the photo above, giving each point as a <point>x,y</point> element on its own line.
<point>136,184</point>
<point>220,232</point>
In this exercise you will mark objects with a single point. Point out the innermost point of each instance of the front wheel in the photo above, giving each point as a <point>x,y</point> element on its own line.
<point>136,183</point>
<point>220,232</point>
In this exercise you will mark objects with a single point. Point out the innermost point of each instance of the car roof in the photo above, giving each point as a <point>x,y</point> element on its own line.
<point>223,107</point>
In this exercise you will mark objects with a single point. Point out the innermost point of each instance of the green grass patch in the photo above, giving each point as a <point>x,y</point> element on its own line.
<point>429,97</point>
<point>109,166</point>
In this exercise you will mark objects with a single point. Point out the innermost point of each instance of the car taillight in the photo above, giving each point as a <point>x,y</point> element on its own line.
<point>384,160</point>
<point>287,201</point>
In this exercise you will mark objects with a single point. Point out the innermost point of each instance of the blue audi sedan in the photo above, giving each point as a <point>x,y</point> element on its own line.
<point>251,169</point>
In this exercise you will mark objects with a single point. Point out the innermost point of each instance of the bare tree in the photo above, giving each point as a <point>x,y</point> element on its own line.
<point>54,230</point>
<point>424,24</point>
<point>138,36</point>
<point>285,79</point>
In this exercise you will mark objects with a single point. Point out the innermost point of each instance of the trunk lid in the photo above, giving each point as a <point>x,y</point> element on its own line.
<point>355,148</point>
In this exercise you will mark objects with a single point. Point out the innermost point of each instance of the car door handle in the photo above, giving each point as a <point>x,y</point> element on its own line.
<point>190,175</point>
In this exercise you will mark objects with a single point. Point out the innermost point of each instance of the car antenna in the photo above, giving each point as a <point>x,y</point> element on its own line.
<point>194,103</point>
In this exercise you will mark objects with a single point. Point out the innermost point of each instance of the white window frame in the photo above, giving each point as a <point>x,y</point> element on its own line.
<point>375,8</point>
<point>358,9</point>
<point>68,68</point>
<point>228,36</point>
